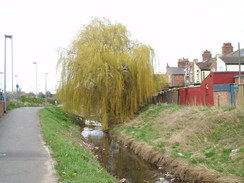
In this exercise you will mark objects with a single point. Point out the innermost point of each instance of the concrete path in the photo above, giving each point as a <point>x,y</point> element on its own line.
<point>23,157</point>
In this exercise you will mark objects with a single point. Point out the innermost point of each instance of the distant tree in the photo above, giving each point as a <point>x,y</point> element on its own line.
<point>41,95</point>
<point>30,94</point>
<point>160,81</point>
<point>105,74</point>
<point>49,94</point>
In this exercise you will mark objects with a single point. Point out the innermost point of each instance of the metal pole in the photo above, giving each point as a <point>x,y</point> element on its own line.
<point>239,63</point>
<point>36,76</point>
<point>5,96</point>
<point>12,68</point>
<point>46,87</point>
<point>16,81</point>
<point>36,79</point>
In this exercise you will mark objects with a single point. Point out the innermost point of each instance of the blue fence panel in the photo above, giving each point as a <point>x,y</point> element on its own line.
<point>224,87</point>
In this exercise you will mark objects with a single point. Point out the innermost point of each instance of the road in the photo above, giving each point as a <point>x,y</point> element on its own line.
<point>23,156</point>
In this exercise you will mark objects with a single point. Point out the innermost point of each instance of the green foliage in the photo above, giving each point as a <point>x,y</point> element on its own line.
<point>29,102</point>
<point>14,105</point>
<point>36,100</point>
<point>160,81</point>
<point>105,73</point>
<point>228,108</point>
<point>150,112</point>
<point>74,163</point>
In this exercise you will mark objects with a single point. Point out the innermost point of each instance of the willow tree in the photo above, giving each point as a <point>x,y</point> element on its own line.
<point>105,74</point>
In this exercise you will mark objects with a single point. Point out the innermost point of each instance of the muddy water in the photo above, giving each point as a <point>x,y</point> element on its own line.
<point>119,161</point>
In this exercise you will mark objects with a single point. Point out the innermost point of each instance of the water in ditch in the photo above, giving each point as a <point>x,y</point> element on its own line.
<point>121,162</point>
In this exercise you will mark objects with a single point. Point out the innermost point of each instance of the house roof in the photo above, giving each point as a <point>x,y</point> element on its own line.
<point>206,64</point>
<point>175,71</point>
<point>236,53</point>
<point>232,59</point>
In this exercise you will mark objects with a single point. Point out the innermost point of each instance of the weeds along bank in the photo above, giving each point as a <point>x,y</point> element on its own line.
<point>198,144</point>
<point>74,162</point>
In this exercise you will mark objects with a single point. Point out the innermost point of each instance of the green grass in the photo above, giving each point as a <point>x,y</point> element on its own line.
<point>36,100</point>
<point>149,112</point>
<point>14,105</point>
<point>74,163</point>
<point>199,135</point>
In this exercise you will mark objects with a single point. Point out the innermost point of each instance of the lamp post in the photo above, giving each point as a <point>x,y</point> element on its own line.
<point>36,76</point>
<point>239,54</point>
<point>5,95</point>
<point>46,87</point>
<point>12,63</point>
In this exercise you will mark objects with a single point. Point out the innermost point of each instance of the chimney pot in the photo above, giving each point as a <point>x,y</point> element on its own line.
<point>227,48</point>
<point>206,55</point>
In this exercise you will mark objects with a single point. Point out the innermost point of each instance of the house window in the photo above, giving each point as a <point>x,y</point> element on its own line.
<point>197,76</point>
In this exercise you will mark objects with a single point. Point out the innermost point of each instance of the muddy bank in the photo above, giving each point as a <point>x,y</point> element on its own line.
<point>179,168</point>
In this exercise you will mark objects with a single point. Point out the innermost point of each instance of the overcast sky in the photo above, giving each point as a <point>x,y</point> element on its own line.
<point>175,29</point>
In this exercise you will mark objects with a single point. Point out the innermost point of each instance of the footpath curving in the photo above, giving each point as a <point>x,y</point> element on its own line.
<point>23,156</point>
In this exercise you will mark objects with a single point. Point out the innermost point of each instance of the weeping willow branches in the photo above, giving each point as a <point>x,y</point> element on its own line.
<point>105,74</point>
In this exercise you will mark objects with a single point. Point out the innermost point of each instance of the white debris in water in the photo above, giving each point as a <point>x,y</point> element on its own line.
<point>122,180</point>
<point>180,154</point>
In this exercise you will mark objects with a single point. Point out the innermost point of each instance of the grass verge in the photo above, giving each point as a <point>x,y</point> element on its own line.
<point>75,164</point>
<point>15,105</point>
<point>211,137</point>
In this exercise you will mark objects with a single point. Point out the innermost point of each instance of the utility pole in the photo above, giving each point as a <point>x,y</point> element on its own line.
<point>36,76</point>
<point>239,63</point>
<point>12,61</point>
<point>46,87</point>
<point>5,95</point>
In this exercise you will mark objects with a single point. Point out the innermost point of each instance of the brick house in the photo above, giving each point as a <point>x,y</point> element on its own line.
<point>226,61</point>
<point>175,76</point>
<point>231,60</point>
<point>181,75</point>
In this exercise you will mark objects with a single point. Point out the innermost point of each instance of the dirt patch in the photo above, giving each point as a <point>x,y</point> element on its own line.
<point>180,168</point>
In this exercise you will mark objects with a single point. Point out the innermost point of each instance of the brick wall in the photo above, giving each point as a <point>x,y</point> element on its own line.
<point>237,80</point>
<point>222,98</point>
<point>1,108</point>
<point>239,99</point>
<point>177,80</point>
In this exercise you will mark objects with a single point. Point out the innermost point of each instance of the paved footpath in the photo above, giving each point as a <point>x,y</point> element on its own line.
<point>23,157</point>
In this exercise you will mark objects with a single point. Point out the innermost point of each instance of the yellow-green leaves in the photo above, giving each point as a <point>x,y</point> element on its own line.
<point>106,75</point>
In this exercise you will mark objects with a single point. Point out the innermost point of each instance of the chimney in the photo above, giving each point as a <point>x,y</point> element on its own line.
<point>206,55</point>
<point>227,48</point>
<point>183,62</point>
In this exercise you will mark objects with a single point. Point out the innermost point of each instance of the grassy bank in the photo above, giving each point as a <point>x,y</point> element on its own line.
<point>210,137</point>
<point>74,163</point>
<point>30,102</point>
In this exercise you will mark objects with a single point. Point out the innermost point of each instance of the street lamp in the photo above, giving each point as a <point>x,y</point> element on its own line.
<point>46,87</point>
<point>5,95</point>
<point>36,76</point>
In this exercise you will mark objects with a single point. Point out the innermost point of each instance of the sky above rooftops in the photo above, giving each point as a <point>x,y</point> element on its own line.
<point>175,29</point>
